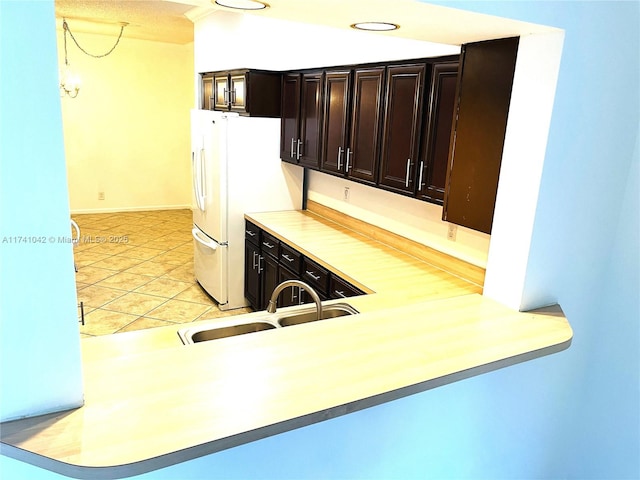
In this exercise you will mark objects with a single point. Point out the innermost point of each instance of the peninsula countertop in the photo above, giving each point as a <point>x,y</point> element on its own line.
<point>151,402</point>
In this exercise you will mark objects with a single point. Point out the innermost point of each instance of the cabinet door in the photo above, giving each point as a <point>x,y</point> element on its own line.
<point>207,92</point>
<point>402,128</point>
<point>484,94</point>
<point>337,88</point>
<point>291,295</point>
<point>252,266</point>
<point>366,116</point>
<point>269,279</point>
<point>238,92</point>
<point>432,170</point>
<point>290,117</point>
<point>221,92</point>
<point>310,120</point>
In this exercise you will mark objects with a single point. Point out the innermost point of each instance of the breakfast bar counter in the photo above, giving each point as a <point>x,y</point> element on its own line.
<point>151,401</point>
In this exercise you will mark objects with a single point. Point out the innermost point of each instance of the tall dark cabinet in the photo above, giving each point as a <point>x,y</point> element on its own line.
<point>483,98</point>
<point>401,130</point>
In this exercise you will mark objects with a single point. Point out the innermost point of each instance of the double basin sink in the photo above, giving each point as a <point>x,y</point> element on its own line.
<point>268,321</point>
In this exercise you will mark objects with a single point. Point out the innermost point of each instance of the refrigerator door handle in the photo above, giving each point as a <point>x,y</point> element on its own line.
<point>196,179</point>
<point>203,183</point>
<point>204,241</point>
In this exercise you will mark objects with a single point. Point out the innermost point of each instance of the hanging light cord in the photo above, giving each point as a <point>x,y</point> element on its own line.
<point>66,29</point>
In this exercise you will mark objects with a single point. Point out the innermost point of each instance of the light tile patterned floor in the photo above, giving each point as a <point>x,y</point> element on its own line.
<point>135,271</point>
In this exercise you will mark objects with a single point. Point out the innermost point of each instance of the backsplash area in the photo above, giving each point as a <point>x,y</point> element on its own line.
<point>414,219</point>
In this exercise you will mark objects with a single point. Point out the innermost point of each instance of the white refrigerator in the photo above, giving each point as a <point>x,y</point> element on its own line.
<point>236,169</point>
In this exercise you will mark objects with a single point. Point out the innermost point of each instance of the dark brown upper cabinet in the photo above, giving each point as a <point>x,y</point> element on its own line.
<point>436,134</point>
<point>248,92</point>
<point>483,98</point>
<point>401,128</point>
<point>353,102</point>
<point>301,119</point>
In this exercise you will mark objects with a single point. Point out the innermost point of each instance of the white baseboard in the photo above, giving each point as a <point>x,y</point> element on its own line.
<point>82,211</point>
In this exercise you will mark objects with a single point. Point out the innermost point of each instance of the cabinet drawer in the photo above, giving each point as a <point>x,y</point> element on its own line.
<point>269,244</point>
<point>290,258</point>
<point>339,288</point>
<point>251,233</point>
<point>315,275</point>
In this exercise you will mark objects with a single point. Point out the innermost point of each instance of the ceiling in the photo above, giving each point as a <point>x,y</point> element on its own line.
<point>168,21</point>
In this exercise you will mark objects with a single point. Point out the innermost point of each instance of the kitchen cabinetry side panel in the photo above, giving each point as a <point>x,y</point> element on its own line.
<point>484,95</point>
<point>364,144</point>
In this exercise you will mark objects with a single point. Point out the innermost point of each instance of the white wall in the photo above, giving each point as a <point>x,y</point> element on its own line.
<point>127,132</point>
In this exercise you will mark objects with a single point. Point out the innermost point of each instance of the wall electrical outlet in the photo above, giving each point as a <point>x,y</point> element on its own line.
<point>100,195</point>
<point>346,194</point>
<point>451,233</point>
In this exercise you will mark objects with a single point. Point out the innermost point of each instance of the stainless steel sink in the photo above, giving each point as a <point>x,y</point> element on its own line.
<point>207,332</point>
<point>309,314</point>
<point>251,323</point>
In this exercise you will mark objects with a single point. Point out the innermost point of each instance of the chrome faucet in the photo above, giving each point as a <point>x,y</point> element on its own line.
<point>271,308</point>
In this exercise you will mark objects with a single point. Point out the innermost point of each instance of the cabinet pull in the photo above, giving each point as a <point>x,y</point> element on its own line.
<point>316,278</point>
<point>225,96</point>
<point>406,180</point>
<point>300,292</point>
<point>348,159</point>
<point>292,140</point>
<point>232,97</point>
<point>420,176</point>
<point>340,294</point>
<point>287,258</point>
<point>255,265</point>
<point>250,233</point>
<point>340,158</point>
<point>293,294</point>
<point>298,149</point>
<point>268,245</point>
<point>260,268</point>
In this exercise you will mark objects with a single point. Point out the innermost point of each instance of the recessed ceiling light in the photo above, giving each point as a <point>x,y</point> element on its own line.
<point>375,26</point>
<point>242,4</point>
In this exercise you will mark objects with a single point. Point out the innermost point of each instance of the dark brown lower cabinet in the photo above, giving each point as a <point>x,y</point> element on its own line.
<point>266,268</point>
<point>483,98</point>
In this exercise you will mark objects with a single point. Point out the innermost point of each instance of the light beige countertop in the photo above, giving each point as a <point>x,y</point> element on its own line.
<point>151,402</point>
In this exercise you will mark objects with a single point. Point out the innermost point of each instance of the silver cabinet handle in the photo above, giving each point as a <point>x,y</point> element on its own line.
<point>340,158</point>
<point>232,97</point>
<point>255,264</point>
<point>298,149</point>
<point>312,275</point>
<point>260,258</point>
<point>406,180</point>
<point>420,176</point>
<point>267,244</point>
<point>287,258</point>
<point>300,292</point>
<point>225,96</point>
<point>340,294</point>
<point>292,140</point>
<point>250,233</point>
<point>348,159</point>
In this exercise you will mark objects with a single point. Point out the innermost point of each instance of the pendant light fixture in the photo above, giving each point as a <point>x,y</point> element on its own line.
<point>69,81</point>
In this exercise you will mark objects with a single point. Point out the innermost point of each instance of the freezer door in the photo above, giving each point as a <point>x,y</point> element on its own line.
<point>210,264</point>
